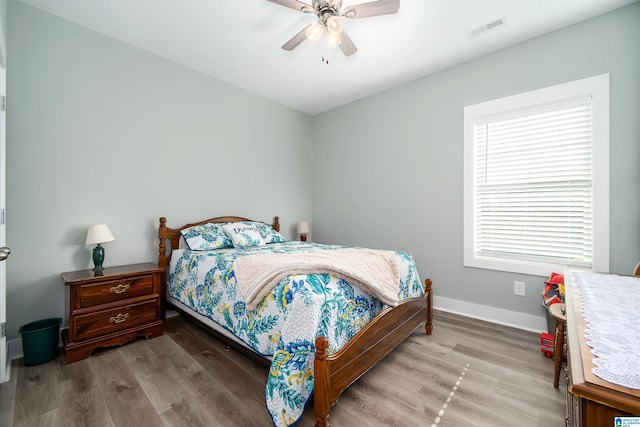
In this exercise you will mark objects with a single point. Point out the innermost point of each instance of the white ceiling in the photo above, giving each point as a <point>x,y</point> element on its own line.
<point>238,41</point>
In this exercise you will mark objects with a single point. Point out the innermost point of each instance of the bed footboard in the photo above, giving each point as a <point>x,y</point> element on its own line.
<point>333,374</point>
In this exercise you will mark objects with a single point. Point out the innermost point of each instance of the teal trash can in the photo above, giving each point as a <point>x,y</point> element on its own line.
<point>40,340</point>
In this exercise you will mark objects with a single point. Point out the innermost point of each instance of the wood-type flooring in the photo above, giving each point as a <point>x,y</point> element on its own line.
<point>468,373</point>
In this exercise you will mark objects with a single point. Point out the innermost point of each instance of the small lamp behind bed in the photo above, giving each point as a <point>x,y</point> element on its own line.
<point>303,229</point>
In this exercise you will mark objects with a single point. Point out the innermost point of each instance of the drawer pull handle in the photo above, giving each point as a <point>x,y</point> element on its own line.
<point>120,289</point>
<point>119,318</point>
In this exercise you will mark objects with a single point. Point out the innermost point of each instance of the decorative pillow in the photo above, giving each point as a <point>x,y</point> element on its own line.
<point>268,233</point>
<point>244,234</point>
<point>206,237</point>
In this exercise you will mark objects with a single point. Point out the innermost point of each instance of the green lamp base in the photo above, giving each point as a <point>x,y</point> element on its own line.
<point>98,257</point>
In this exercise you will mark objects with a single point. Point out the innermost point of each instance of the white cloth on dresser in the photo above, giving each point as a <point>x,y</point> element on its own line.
<point>611,309</point>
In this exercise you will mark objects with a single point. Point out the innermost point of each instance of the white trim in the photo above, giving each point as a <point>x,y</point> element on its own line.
<point>600,171</point>
<point>15,349</point>
<point>3,43</point>
<point>4,359</point>
<point>7,368</point>
<point>598,88</point>
<point>500,316</point>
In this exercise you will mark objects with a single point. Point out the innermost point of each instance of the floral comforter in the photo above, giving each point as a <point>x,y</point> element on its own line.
<point>286,323</point>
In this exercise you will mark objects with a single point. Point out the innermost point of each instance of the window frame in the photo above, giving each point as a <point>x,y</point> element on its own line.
<point>598,88</point>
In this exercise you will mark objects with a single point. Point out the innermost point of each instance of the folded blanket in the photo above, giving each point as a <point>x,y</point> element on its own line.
<point>374,271</point>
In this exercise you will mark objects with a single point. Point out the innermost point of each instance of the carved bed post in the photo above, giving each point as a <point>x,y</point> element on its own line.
<point>428,327</point>
<point>162,248</point>
<point>276,223</point>
<point>321,383</point>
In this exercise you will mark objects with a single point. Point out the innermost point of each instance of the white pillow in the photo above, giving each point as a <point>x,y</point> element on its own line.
<point>243,234</point>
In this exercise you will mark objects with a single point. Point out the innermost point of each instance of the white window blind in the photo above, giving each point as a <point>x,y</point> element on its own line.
<point>534,184</point>
<point>536,179</point>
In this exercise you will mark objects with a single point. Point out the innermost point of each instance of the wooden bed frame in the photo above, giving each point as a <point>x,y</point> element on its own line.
<point>333,374</point>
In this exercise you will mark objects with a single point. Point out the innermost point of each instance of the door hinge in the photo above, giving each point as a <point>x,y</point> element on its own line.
<point>3,329</point>
<point>3,216</point>
<point>3,103</point>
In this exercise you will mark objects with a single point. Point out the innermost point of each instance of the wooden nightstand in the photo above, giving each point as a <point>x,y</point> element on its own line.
<point>112,308</point>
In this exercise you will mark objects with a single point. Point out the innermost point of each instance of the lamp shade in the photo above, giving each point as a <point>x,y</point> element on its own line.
<point>303,227</point>
<point>99,234</point>
<point>314,32</point>
<point>333,40</point>
<point>334,25</point>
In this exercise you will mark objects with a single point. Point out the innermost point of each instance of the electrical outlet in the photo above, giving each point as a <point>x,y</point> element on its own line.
<point>518,288</point>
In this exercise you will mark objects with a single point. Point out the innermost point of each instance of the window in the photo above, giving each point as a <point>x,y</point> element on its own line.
<point>536,180</point>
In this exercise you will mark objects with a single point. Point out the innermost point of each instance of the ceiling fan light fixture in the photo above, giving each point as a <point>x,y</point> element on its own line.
<point>314,32</point>
<point>333,40</point>
<point>329,13</point>
<point>334,25</point>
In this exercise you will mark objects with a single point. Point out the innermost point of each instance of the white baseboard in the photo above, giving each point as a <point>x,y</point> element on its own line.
<point>15,349</point>
<point>7,369</point>
<point>500,316</point>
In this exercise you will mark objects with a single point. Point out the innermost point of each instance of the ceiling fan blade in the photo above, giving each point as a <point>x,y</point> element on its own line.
<point>373,8</point>
<point>346,44</point>
<point>296,40</point>
<point>294,4</point>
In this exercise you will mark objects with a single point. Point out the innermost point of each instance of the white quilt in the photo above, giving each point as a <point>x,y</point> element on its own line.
<point>374,271</point>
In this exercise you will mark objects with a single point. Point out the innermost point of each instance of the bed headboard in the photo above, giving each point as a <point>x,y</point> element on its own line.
<point>173,234</point>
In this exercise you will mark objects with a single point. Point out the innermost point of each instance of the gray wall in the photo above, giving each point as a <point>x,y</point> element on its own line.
<point>99,131</point>
<point>391,174</point>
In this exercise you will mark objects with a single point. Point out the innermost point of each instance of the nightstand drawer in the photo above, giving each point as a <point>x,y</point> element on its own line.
<point>115,290</point>
<point>97,324</point>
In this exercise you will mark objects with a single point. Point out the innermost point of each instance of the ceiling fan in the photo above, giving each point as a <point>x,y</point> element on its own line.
<point>328,12</point>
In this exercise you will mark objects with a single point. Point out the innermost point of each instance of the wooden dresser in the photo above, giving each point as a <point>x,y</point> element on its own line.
<point>591,401</point>
<point>111,308</point>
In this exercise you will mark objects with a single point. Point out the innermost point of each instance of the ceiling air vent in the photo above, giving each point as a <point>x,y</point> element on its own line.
<point>487,27</point>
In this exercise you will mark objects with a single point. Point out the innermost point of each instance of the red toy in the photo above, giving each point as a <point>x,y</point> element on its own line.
<point>552,293</point>
<point>547,346</point>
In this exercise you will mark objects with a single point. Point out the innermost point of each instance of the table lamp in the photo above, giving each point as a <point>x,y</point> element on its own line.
<point>96,235</point>
<point>303,229</point>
